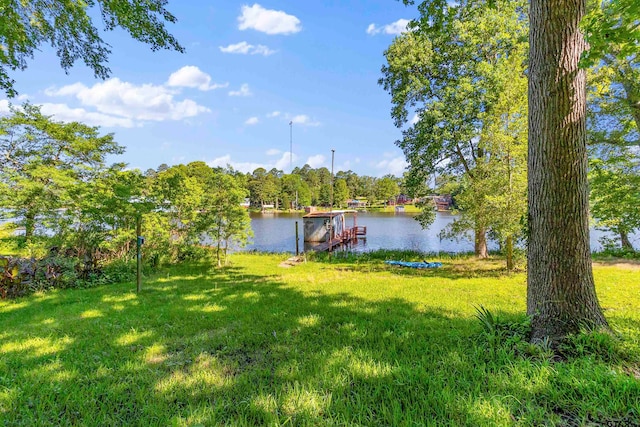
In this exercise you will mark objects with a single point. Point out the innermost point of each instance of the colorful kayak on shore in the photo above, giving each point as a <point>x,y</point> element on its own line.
<point>415,264</point>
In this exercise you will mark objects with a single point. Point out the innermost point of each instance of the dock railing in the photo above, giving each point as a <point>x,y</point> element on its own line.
<point>347,236</point>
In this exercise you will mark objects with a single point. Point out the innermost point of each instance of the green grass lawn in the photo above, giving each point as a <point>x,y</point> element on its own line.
<point>341,343</point>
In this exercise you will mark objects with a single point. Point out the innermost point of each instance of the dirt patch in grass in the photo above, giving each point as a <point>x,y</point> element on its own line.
<point>633,371</point>
<point>626,264</point>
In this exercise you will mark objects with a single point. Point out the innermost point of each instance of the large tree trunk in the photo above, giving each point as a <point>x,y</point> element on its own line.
<point>624,240</point>
<point>480,244</point>
<point>29,225</point>
<point>218,258</point>
<point>632,90</point>
<point>561,295</point>
<point>509,251</point>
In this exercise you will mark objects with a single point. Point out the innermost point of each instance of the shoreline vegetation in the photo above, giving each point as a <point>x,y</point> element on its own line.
<point>408,208</point>
<point>344,339</point>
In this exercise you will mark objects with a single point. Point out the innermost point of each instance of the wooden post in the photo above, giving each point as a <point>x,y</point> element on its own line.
<point>331,206</point>
<point>138,252</point>
<point>297,240</point>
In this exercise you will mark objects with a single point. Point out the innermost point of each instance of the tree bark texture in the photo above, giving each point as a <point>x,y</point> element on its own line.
<point>624,241</point>
<point>480,246</point>
<point>29,225</point>
<point>561,295</point>
<point>509,251</point>
<point>632,90</point>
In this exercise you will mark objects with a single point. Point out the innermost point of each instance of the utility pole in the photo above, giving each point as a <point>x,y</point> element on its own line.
<point>331,198</point>
<point>331,205</point>
<point>291,146</point>
<point>138,251</point>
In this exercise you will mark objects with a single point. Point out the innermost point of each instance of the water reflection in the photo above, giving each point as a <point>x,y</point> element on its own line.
<point>276,233</point>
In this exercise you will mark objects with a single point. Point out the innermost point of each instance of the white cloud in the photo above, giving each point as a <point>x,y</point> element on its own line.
<point>262,50</point>
<point>395,28</point>
<point>299,119</point>
<point>241,48</point>
<point>252,121</point>
<point>395,166</point>
<point>191,76</point>
<point>398,27</point>
<point>4,106</point>
<point>415,119</point>
<point>282,163</point>
<point>244,91</point>
<point>221,162</point>
<point>64,113</point>
<point>315,161</point>
<point>68,90</point>
<point>146,102</point>
<point>267,21</point>
<point>245,48</point>
<point>304,120</point>
<point>273,152</point>
<point>285,161</point>
<point>344,166</point>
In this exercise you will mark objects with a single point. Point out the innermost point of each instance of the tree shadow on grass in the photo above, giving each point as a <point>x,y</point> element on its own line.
<point>453,269</point>
<point>230,347</point>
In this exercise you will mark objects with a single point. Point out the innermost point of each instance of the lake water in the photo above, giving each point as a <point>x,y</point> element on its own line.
<point>276,233</point>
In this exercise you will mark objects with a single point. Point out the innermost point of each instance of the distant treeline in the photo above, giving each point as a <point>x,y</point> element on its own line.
<point>307,186</point>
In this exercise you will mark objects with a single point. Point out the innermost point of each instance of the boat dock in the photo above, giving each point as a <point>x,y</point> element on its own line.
<point>349,235</point>
<point>327,230</point>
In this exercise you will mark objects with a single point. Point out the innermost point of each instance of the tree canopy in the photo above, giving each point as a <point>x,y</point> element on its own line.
<point>43,161</point>
<point>611,23</point>
<point>613,125</point>
<point>460,70</point>
<point>68,27</point>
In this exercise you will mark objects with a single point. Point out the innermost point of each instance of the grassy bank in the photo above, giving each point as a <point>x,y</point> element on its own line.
<point>407,209</point>
<point>347,342</point>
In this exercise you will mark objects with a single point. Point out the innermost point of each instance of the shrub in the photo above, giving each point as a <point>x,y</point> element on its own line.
<point>600,345</point>
<point>500,336</point>
<point>16,275</point>
<point>118,271</point>
<point>20,276</point>
<point>193,253</point>
<point>499,333</point>
<point>55,271</point>
<point>611,249</point>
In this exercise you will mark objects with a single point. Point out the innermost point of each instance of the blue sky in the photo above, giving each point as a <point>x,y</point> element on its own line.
<point>249,70</point>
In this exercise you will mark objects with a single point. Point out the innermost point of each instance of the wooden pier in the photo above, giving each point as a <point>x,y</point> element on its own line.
<point>350,235</point>
<point>327,230</point>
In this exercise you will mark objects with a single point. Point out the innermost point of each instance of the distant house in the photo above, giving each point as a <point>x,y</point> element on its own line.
<point>443,202</point>
<point>403,199</point>
<point>246,203</point>
<point>268,207</point>
<point>356,204</point>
